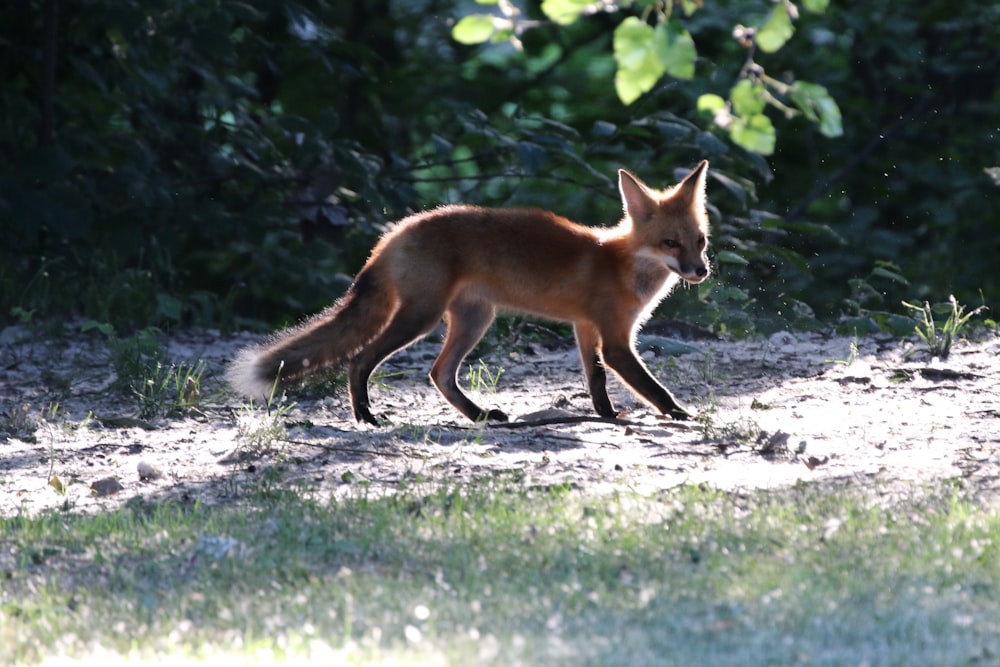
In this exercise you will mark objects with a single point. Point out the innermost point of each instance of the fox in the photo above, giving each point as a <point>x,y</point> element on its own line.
<point>463,263</point>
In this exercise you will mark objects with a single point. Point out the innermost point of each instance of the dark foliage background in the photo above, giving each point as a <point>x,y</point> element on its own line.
<point>177,162</point>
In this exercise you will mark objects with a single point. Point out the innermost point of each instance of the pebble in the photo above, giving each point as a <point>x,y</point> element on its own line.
<point>148,472</point>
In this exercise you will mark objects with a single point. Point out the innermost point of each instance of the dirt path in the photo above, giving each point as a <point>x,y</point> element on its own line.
<point>793,408</point>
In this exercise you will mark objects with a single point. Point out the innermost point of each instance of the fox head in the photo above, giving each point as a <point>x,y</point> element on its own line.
<point>669,225</point>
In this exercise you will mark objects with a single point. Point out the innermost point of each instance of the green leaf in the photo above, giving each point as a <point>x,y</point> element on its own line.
<point>243,11</point>
<point>473,29</point>
<point>645,53</point>
<point>730,257</point>
<point>883,272</point>
<point>816,6</point>
<point>859,325</point>
<point>103,327</point>
<point>711,103</point>
<point>674,130</point>
<point>816,228</point>
<point>711,145</point>
<point>755,133</point>
<point>748,98</point>
<point>639,65</point>
<point>818,106</point>
<point>504,35</point>
<point>676,49</point>
<point>58,485</point>
<point>735,188</point>
<point>603,129</point>
<point>776,30</point>
<point>169,307</point>
<point>690,6</point>
<point>565,12</point>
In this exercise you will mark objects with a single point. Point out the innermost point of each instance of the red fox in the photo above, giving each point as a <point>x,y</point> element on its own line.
<point>462,263</point>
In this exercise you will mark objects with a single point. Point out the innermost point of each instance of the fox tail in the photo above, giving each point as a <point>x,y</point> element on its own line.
<point>330,338</point>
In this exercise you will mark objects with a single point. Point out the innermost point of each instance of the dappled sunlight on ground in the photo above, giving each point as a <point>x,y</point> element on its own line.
<point>790,409</point>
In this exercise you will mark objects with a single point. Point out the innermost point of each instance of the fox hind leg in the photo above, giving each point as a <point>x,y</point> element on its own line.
<point>467,321</point>
<point>407,325</point>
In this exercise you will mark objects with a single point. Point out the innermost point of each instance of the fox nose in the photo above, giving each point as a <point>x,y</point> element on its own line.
<point>700,270</point>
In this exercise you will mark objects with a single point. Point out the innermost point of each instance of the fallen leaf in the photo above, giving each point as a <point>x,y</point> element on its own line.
<point>58,485</point>
<point>813,462</point>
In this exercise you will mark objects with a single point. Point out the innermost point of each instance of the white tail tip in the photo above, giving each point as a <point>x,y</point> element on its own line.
<point>243,375</point>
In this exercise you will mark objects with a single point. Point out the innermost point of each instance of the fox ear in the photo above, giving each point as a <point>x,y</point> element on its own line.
<point>636,200</point>
<point>692,188</point>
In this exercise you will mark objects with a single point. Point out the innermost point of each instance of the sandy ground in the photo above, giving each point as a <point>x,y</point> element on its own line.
<point>794,408</point>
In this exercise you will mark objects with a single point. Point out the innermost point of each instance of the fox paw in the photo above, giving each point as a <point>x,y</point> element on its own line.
<point>679,414</point>
<point>495,415</point>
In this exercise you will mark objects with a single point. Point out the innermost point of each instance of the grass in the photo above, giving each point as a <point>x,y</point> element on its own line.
<point>259,427</point>
<point>499,572</point>
<point>17,421</point>
<point>169,388</point>
<point>482,380</point>
<point>939,337</point>
<point>142,372</point>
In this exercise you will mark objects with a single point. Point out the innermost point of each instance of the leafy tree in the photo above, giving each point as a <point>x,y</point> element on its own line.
<point>226,163</point>
<point>657,44</point>
<point>904,190</point>
<point>882,213</point>
<point>167,154</point>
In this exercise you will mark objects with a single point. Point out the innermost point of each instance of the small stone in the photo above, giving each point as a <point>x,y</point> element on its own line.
<point>148,472</point>
<point>781,339</point>
<point>106,487</point>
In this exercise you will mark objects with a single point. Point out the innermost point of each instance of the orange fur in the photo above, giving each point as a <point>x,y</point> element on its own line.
<point>463,263</point>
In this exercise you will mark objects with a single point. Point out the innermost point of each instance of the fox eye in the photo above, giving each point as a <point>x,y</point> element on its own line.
<point>701,241</point>
<point>670,243</point>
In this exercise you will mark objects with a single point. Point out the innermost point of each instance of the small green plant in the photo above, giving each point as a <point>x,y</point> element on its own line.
<point>328,382</point>
<point>18,422</point>
<point>852,355</point>
<point>869,292</point>
<point>143,371</point>
<point>742,429</point>
<point>938,339</point>
<point>482,379</point>
<point>170,388</point>
<point>22,316</point>
<point>134,358</point>
<point>258,428</point>
<point>53,480</point>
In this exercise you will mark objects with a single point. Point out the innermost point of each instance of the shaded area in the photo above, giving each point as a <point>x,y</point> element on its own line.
<point>772,413</point>
<point>177,163</point>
